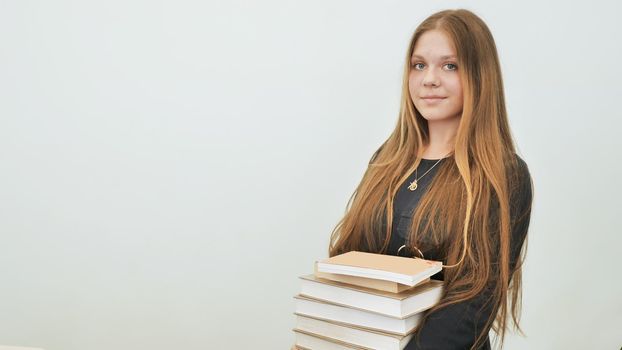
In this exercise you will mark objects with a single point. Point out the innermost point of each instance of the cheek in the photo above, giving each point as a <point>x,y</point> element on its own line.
<point>457,93</point>
<point>456,87</point>
<point>413,85</point>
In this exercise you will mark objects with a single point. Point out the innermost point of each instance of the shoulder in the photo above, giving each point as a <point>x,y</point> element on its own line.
<point>521,165</point>
<point>521,186</point>
<point>520,175</point>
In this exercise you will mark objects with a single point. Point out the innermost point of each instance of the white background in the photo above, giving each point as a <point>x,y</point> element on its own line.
<point>169,168</point>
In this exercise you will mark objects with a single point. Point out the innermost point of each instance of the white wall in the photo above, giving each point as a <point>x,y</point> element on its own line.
<point>168,168</point>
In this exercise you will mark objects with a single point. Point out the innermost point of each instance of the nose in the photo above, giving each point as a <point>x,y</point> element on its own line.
<point>430,78</point>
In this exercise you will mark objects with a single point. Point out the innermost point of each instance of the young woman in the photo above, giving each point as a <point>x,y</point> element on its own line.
<point>447,185</point>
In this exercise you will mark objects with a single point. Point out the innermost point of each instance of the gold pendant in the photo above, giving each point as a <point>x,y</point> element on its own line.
<point>413,185</point>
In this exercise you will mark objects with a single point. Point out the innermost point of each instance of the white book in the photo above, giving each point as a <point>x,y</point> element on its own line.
<point>306,341</point>
<point>398,269</point>
<point>400,305</point>
<point>356,317</point>
<point>355,336</point>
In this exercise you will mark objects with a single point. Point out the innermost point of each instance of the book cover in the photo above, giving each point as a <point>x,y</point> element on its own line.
<point>407,271</point>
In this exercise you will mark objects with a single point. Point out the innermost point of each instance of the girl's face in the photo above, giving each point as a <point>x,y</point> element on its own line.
<point>434,73</point>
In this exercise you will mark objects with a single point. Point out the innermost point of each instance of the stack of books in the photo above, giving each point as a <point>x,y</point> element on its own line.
<point>361,300</point>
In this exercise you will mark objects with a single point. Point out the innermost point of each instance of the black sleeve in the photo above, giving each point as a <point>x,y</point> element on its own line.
<point>458,325</point>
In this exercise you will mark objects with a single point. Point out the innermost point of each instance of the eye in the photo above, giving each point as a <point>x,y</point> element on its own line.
<point>452,66</point>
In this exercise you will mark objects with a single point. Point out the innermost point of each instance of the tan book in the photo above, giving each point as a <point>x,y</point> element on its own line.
<point>397,269</point>
<point>388,286</point>
<point>308,341</point>
<point>324,310</point>
<point>347,334</point>
<point>400,305</point>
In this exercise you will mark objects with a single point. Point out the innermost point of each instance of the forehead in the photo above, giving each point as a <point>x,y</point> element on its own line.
<point>434,45</point>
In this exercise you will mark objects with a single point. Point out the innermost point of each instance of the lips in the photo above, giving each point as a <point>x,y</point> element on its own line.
<point>431,101</point>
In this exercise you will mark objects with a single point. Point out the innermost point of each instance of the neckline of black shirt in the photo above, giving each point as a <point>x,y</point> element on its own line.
<point>405,201</point>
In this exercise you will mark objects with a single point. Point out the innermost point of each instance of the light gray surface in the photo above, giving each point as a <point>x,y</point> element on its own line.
<point>168,169</point>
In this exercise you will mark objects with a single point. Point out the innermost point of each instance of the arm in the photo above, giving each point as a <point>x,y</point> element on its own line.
<point>458,325</point>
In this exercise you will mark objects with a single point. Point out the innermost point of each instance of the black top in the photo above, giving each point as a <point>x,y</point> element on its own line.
<point>455,326</point>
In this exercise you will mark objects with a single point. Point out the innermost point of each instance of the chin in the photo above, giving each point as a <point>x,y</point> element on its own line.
<point>434,115</point>
<point>432,118</point>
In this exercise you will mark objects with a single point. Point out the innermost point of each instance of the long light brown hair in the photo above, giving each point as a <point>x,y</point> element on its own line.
<point>466,209</point>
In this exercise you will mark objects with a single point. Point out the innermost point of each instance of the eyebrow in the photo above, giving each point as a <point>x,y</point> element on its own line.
<point>442,57</point>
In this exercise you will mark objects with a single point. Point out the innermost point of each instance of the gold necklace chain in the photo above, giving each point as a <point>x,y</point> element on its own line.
<point>413,185</point>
